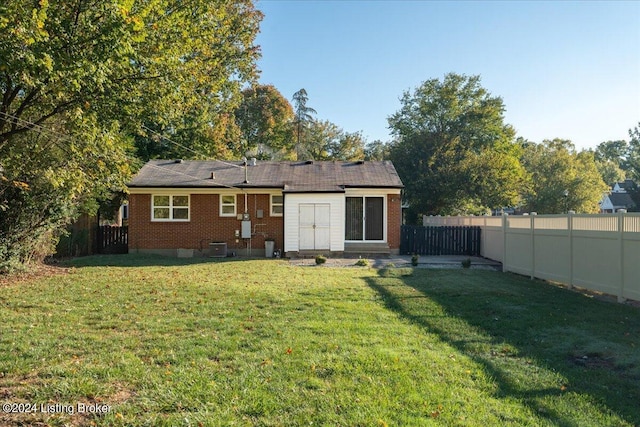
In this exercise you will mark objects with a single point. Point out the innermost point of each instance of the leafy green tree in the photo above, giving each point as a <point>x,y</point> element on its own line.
<point>123,61</point>
<point>626,155</point>
<point>632,164</point>
<point>47,178</point>
<point>350,146</point>
<point>376,150</point>
<point>453,150</point>
<point>327,141</point>
<point>303,116</point>
<point>610,171</point>
<point>615,151</point>
<point>77,78</point>
<point>190,138</point>
<point>561,178</point>
<point>611,159</point>
<point>265,118</point>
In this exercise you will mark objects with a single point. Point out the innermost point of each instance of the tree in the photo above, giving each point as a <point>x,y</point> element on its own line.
<point>611,159</point>
<point>304,115</point>
<point>47,178</point>
<point>327,141</point>
<point>626,155</point>
<point>77,79</point>
<point>123,60</point>
<point>265,118</point>
<point>376,150</point>
<point>610,171</point>
<point>561,178</point>
<point>615,151</point>
<point>453,150</point>
<point>350,146</point>
<point>632,164</point>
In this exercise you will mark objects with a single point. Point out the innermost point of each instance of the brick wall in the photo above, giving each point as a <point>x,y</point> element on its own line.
<point>394,217</point>
<point>206,225</point>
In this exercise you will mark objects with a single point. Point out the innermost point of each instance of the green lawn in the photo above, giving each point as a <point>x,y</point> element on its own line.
<point>182,342</point>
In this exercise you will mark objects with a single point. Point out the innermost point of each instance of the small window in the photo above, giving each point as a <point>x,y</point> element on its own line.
<point>170,208</point>
<point>277,205</point>
<point>228,205</point>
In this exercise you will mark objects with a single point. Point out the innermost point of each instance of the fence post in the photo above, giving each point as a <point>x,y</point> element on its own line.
<point>570,227</point>
<point>532,217</point>
<point>504,241</point>
<point>621,214</point>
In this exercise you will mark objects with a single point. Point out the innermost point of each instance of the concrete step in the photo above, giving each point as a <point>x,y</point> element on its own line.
<point>367,248</point>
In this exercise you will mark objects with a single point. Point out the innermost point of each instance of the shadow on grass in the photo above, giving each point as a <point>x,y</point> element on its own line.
<point>142,260</point>
<point>512,326</point>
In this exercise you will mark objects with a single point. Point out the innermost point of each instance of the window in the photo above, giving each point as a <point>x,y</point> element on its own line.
<point>170,208</point>
<point>228,205</point>
<point>277,205</point>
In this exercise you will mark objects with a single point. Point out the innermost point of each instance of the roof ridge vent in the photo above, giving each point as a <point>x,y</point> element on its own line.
<point>309,162</point>
<point>177,161</point>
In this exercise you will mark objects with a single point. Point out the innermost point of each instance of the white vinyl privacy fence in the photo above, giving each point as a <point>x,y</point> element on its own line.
<point>595,252</point>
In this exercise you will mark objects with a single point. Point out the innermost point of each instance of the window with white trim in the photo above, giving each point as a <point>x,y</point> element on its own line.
<point>228,205</point>
<point>277,205</point>
<point>170,208</point>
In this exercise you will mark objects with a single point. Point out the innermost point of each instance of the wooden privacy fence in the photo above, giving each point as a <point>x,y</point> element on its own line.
<point>434,240</point>
<point>113,239</point>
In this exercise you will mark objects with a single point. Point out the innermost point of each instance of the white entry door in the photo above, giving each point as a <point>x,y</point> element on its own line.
<point>315,226</point>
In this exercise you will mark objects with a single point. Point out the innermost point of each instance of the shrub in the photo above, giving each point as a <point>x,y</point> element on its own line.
<point>362,262</point>
<point>466,263</point>
<point>414,260</point>
<point>321,259</point>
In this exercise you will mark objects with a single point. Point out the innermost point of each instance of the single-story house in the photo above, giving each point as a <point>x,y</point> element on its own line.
<point>305,207</point>
<point>615,201</point>
<point>619,197</point>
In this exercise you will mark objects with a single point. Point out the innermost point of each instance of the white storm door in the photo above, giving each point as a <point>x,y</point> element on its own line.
<point>315,226</point>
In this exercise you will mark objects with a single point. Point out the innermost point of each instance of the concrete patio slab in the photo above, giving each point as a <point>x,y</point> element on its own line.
<point>440,261</point>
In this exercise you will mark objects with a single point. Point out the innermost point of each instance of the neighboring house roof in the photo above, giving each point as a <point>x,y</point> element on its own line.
<point>624,186</point>
<point>621,200</point>
<point>301,176</point>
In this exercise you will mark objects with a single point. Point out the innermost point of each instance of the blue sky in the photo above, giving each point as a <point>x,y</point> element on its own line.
<point>566,69</point>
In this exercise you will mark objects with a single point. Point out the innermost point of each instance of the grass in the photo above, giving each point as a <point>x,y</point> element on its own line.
<point>185,342</point>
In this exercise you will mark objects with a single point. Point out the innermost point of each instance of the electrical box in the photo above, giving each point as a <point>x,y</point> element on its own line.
<point>246,229</point>
<point>259,213</point>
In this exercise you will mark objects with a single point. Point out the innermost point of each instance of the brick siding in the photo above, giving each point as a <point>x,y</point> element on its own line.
<point>205,225</point>
<point>394,220</point>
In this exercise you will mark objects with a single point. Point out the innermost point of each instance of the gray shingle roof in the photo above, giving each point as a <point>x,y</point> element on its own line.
<point>621,200</point>
<point>329,176</point>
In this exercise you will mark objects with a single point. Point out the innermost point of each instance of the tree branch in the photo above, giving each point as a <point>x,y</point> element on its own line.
<point>15,129</point>
<point>26,101</point>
